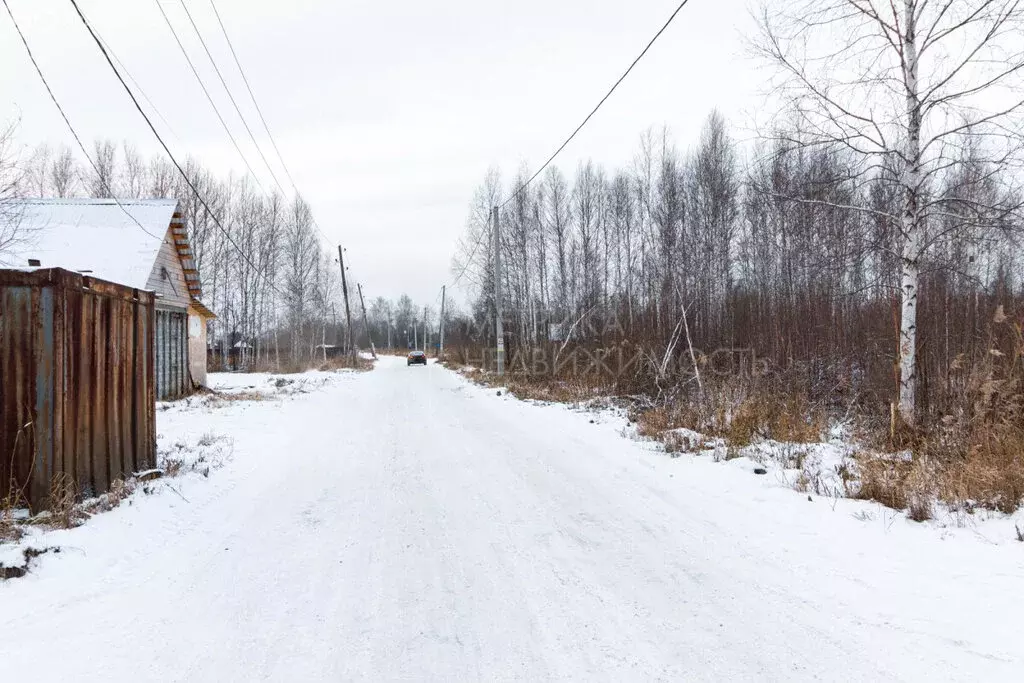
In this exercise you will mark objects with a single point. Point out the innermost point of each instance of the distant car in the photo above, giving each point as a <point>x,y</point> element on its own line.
<point>416,357</point>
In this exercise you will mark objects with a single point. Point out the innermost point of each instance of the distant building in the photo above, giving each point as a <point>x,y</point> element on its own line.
<point>138,243</point>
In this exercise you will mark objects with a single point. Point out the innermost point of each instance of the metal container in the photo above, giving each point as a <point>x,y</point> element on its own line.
<point>77,392</point>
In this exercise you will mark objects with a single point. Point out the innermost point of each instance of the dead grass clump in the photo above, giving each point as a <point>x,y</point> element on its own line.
<point>883,480</point>
<point>653,423</point>
<point>64,512</point>
<point>537,389</point>
<point>991,473</point>
<point>921,487</point>
<point>173,467</point>
<point>10,530</point>
<point>247,395</point>
<point>119,491</point>
<point>345,363</point>
<point>764,416</point>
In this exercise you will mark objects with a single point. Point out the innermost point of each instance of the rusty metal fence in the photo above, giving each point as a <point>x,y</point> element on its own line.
<point>77,396</point>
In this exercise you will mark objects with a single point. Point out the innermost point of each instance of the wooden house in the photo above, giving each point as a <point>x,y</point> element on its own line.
<point>139,243</point>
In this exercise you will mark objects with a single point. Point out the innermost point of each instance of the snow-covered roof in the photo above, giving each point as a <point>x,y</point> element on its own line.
<point>96,235</point>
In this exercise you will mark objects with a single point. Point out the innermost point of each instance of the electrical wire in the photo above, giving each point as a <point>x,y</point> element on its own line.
<point>67,121</point>
<point>231,97</point>
<point>259,111</point>
<point>469,262</point>
<point>138,87</point>
<point>594,110</point>
<point>166,149</point>
<point>589,116</point>
<point>202,85</point>
<point>252,96</point>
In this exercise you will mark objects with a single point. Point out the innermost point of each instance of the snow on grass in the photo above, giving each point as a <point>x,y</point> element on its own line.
<point>828,471</point>
<point>194,439</point>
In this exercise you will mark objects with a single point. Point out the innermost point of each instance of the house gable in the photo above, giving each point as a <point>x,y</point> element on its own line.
<point>167,277</point>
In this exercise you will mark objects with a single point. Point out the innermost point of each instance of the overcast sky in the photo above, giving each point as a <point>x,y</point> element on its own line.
<point>388,114</point>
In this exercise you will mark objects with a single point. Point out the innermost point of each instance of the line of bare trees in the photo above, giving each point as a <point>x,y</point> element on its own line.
<point>274,286</point>
<point>867,237</point>
<point>782,248</point>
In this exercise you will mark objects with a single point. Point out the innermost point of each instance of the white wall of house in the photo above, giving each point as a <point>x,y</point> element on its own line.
<point>197,346</point>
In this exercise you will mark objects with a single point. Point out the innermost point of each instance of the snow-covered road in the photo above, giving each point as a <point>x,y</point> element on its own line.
<point>404,525</point>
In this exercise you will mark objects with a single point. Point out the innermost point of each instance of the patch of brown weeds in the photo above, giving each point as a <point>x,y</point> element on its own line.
<point>246,395</point>
<point>883,480</point>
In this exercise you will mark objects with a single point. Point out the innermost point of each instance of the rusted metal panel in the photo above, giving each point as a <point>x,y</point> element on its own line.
<point>77,400</point>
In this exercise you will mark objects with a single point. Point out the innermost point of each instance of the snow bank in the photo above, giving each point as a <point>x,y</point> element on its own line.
<point>195,438</point>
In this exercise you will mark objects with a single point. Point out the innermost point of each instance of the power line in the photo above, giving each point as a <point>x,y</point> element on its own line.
<point>614,86</point>
<point>230,96</point>
<point>163,144</point>
<point>202,85</point>
<point>252,96</point>
<point>74,133</point>
<point>469,261</point>
<point>594,111</point>
<point>259,111</point>
<point>138,86</point>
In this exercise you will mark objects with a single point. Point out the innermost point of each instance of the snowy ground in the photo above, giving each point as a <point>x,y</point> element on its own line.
<point>406,525</point>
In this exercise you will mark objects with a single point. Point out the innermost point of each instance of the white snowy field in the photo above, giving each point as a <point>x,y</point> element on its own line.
<point>406,525</point>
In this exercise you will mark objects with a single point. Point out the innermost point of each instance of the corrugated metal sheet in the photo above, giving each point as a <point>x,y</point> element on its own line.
<point>172,376</point>
<point>77,397</point>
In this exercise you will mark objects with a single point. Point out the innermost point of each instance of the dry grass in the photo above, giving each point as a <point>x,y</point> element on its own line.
<point>991,471</point>
<point>740,421</point>
<point>791,419</point>
<point>541,388</point>
<point>63,508</point>
<point>346,363</point>
<point>883,480</point>
<point>294,367</point>
<point>234,396</point>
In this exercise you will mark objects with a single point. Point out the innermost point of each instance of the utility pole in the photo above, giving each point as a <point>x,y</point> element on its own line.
<point>440,351</point>
<point>389,328</point>
<point>425,328</point>
<point>344,291</point>
<point>498,328</point>
<point>369,336</point>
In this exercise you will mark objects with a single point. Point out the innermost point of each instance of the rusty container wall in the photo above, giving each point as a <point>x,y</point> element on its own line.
<point>77,399</point>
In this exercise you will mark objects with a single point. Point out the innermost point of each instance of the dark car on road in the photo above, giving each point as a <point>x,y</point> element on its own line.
<point>416,357</point>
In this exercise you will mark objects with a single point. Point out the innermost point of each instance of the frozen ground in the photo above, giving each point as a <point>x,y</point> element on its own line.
<point>405,525</point>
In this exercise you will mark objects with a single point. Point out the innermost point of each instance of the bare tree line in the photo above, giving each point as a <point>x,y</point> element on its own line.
<point>785,248</point>
<point>269,279</point>
<point>876,228</point>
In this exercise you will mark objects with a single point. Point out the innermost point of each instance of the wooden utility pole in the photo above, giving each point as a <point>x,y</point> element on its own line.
<point>498,327</point>
<point>440,350</point>
<point>369,337</point>
<point>425,330</point>
<point>344,291</point>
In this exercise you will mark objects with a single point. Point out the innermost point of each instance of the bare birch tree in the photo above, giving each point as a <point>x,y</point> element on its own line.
<point>133,173</point>
<point>37,172</point>
<point>904,83</point>
<point>102,177</point>
<point>11,179</point>
<point>63,173</point>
